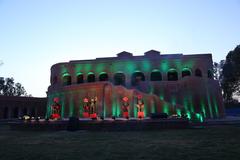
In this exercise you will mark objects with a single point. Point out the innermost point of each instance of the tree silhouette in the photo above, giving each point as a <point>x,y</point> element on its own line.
<point>217,70</point>
<point>231,75</point>
<point>9,88</point>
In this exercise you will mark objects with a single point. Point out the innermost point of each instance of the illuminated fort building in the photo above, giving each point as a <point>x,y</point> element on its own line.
<point>133,86</point>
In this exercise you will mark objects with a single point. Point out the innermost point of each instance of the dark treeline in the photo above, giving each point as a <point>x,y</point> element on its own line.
<point>9,88</point>
<point>228,73</point>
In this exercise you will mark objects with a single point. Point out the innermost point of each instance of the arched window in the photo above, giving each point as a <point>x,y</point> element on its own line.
<point>79,78</point>
<point>119,79</point>
<point>156,76</point>
<point>5,113</point>
<point>198,73</point>
<point>172,75</point>
<point>67,80</point>
<point>137,77</point>
<point>15,112</point>
<point>24,111</point>
<point>186,72</point>
<point>103,77</point>
<point>210,74</point>
<point>91,77</point>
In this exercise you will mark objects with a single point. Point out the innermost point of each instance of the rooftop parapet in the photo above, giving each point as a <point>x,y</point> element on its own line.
<point>124,54</point>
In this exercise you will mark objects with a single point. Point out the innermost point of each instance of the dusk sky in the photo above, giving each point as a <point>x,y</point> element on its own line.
<point>35,34</point>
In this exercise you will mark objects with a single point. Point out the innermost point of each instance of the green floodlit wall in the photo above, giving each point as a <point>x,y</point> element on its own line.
<point>63,107</point>
<point>147,105</point>
<point>72,105</point>
<point>48,110</point>
<point>207,106</point>
<point>114,106</point>
<point>128,67</point>
<point>134,108</point>
<point>153,106</point>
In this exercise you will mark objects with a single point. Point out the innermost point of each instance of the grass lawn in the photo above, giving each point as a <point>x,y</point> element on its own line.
<point>217,143</point>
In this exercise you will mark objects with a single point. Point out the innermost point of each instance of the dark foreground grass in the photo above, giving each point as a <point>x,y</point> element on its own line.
<point>222,142</point>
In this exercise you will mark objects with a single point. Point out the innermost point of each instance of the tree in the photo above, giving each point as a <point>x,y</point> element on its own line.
<point>231,75</point>
<point>19,90</point>
<point>217,70</point>
<point>9,88</point>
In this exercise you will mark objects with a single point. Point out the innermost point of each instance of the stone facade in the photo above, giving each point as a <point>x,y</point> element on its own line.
<point>170,83</point>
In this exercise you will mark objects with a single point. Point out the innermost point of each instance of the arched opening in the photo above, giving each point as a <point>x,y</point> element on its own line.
<point>137,77</point>
<point>186,72</point>
<point>119,79</point>
<point>15,112</point>
<point>172,75</point>
<point>91,77</point>
<point>80,78</point>
<point>24,111</point>
<point>32,112</point>
<point>103,77</point>
<point>5,113</point>
<point>198,73</point>
<point>156,75</point>
<point>67,80</point>
<point>210,74</point>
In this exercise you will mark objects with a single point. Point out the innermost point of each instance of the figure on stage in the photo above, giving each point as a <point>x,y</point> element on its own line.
<point>85,108</point>
<point>125,107</point>
<point>93,108</point>
<point>140,107</point>
<point>55,109</point>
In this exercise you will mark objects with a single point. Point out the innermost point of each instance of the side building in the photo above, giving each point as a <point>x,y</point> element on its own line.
<point>170,83</point>
<point>12,107</point>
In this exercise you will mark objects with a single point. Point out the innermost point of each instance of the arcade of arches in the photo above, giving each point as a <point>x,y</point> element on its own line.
<point>15,107</point>
<point>137,77</point>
